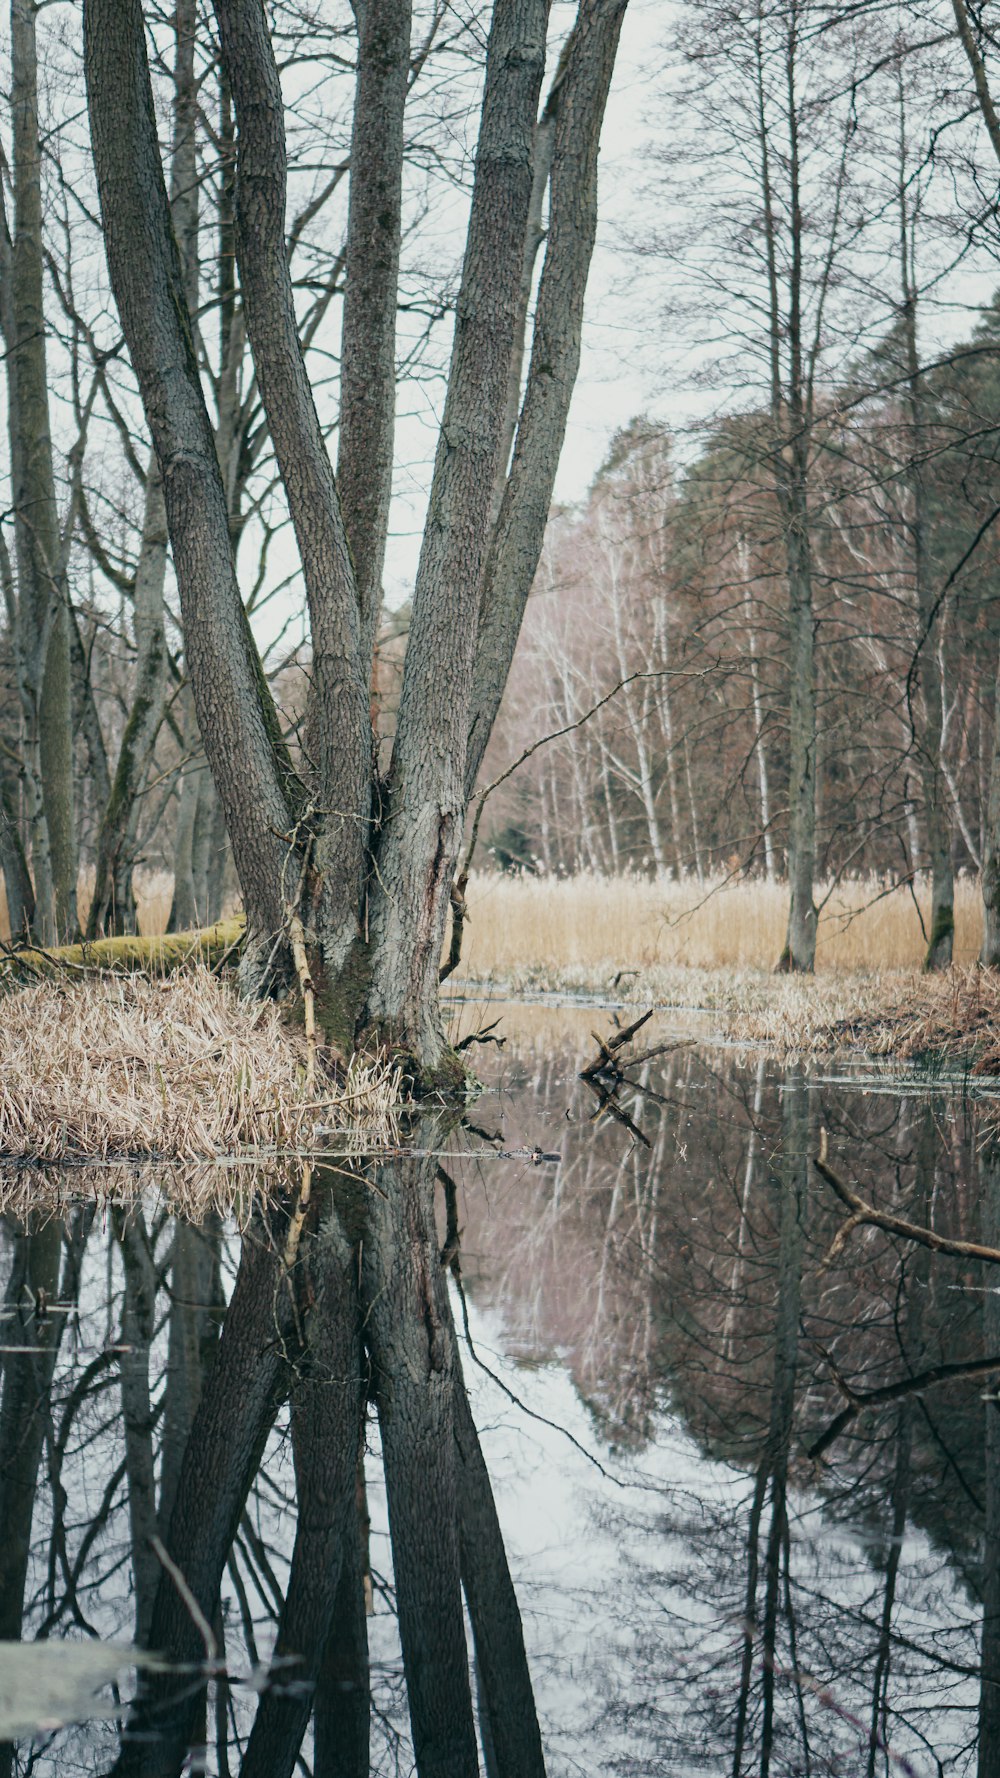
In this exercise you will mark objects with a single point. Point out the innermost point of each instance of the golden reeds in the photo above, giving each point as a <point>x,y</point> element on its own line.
<point>583,930</point>
<point>177,1069</point>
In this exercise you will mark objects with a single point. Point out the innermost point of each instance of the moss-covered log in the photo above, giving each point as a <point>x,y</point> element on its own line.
<point>157,956</point>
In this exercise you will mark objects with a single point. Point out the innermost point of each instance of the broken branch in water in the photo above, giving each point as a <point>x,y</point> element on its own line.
<point>483,1036</point>
<point>889,1392</point>
<point>864,1214</point>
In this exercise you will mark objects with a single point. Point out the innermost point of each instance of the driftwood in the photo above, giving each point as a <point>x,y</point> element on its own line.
<point>606,1074</point>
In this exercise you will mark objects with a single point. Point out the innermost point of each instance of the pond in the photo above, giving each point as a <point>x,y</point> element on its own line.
<point>746,1464</point>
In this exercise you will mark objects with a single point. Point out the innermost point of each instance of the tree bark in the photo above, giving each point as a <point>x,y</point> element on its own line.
<point>235,712</point>
<point>990,953</point>
<point>368,346</point>
<point>579,101</point>
<point>43,599</point>
<point>926,675</point>
<point>420,841</point>
<point>112,909</point>
<point>791,478</point>
<point>338,724</point>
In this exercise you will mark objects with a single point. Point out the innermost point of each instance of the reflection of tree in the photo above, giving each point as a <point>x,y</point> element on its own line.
<point>989,1696</point>
<point>41,1290</point>
<point>775,1613</point>
<point>339,1298</point>
<point>771,1482</point>
<point>713,1242</point>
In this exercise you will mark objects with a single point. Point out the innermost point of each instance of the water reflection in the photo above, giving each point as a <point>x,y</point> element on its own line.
<point>255,1453</point>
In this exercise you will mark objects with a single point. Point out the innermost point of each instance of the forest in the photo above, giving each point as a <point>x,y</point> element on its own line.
<point>764,643</point>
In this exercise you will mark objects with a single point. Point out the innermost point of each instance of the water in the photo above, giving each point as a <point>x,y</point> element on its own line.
<point>749,1490</point>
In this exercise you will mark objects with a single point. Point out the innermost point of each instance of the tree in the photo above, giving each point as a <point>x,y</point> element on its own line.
<point>990,953</point>
<point>366,864</point>
<point>38,612</point>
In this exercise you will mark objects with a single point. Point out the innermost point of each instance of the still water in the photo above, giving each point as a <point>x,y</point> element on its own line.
<point>749,1487</point>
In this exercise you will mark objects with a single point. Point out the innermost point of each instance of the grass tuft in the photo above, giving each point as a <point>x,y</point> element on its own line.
<point>176,1069</point>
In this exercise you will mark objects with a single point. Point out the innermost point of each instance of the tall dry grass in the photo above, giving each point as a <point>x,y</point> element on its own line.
<point>175,1068</point>
<point>546,929</point>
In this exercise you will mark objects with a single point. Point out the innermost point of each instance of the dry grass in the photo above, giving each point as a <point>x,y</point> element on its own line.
<point>896,1014</point>
<point>576,931</point>
<point>900,1014</point>
<point>176,1069</point>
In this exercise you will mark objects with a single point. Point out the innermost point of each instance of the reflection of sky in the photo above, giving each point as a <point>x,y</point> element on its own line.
<point>630,1586</point>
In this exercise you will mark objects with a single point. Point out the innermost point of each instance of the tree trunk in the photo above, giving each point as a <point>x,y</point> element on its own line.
<point>368,349</point>
<point>17,880</point>
<point>420,842</point>
<point>926,675</point>
<point>338,723</point>
<point>236,715</point>
<point>800,942</point>
<point>579,99</point>
<point>43,599</point>
<point>111,910</point>
<point>990,953</point>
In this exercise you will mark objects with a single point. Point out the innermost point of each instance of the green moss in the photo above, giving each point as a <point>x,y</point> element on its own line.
<point>157,955</point>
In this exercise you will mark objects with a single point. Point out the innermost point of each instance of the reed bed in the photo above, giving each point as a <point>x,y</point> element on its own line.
<point>556,932</point>
<point>172,1069</point>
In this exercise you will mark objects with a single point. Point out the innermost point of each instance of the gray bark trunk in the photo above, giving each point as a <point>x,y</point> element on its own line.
<point>235,712</point>
<point>339,724</point>
<point>112,908</point>
<point>579,102</point>
<point>792,492</point>
<point>800,941</point>
<point>16,877</point>
<point>927,676</point>
<point>990,953</point>
<point>368,350</point>
<point>43,600</point>
<point>420,842</point>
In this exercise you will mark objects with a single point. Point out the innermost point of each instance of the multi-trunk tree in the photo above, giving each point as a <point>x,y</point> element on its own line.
<point>364,862</point>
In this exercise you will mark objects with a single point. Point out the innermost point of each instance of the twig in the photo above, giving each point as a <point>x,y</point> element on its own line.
<point>192,1607</point>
